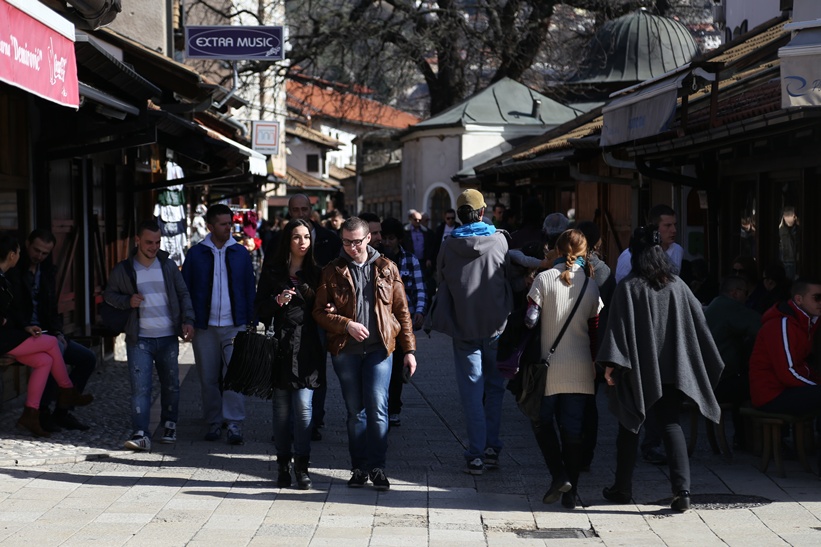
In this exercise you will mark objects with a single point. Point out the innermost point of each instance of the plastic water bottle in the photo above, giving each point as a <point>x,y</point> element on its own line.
<point>532,315</point>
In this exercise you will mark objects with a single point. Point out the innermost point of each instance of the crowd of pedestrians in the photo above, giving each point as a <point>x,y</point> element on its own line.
<point>651,334</point>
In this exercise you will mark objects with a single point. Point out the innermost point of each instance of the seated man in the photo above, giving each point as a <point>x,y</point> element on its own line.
<point>781,379</point>
<point>734,327</point>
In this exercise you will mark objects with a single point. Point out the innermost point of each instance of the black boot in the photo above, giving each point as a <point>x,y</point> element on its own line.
<point>66,419</point>
<point>572,455</point>
<point>548,443</point>
<point>284,474</point>
<point>303,479</point>
<point>47,421</point>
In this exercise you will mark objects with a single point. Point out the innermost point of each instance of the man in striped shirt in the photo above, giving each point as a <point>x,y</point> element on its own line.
<point>150,284</point>
<point>411,272</point>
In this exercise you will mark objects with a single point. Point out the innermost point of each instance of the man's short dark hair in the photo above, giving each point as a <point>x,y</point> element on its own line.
<point>733,283</point>
<point>216,210</point>
<point>354,223</point>
<point>497,204</point>
<point>43,235</point>
<point>393,227</point>
<point>147,225</point>
<point>658,211</point>
<point>468,215</point>
<point>369,217</point>
<point>801,285</point>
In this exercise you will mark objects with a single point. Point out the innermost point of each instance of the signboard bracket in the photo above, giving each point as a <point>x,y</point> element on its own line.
<point>233,89</point>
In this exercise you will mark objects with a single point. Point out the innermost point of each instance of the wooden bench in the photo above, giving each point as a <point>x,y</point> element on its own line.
<point>770,426</point>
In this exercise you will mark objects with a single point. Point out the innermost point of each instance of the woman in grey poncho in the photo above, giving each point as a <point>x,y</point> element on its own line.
<point>657,351</point>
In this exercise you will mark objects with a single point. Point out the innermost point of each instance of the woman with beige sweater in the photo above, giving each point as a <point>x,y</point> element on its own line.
<point>571,371</point>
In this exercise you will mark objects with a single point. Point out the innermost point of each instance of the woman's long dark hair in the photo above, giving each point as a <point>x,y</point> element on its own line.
<point>8,243</point>
<point>648,259</point>
<point>282,255</point>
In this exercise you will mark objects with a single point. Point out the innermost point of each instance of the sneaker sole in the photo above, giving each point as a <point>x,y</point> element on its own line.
<point>135,447</point>
<point>474,471</point>
<point>381,488</point>
<point>168,441</point>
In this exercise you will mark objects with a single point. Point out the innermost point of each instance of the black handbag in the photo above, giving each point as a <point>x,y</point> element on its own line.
<point>528,384</point>
<point>113,320</point>
<point>250,370</point>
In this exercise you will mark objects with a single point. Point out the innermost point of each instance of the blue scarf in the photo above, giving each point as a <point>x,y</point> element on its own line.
<point>474,229</point>
<point>563,260</point>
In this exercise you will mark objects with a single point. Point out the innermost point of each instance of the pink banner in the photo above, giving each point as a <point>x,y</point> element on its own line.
<point>36,58</point>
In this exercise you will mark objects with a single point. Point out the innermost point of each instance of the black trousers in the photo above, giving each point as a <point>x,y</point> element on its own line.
<point>666,412</point>
<point>395,387</point>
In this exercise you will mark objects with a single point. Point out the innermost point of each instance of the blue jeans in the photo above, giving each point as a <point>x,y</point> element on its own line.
<point>82,361</point>
<point>364,379</point>
<point>481,388</point>
<point>143,356</point>
<point>288,402</point>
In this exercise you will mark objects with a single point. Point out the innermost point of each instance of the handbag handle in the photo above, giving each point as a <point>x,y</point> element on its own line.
<point>546,360</point>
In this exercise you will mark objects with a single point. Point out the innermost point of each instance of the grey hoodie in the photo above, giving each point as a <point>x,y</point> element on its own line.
<point>474,297</point>
<point>362,276</point>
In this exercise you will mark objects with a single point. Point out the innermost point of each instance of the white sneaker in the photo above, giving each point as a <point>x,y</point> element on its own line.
<point>170,434</point>
<point>139,441</point>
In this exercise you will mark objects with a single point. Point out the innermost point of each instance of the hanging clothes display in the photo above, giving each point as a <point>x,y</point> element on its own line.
<point>170,214</point>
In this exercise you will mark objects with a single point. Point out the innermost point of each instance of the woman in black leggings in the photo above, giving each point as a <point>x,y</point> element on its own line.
<point>658,352</point>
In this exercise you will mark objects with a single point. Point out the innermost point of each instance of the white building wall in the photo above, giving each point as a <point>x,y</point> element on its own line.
<point>754,11</point>
<point>428,162</point>
<point>145,22</point>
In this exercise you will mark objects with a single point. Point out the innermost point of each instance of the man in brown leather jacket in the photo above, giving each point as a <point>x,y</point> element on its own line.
<point>368,311</point>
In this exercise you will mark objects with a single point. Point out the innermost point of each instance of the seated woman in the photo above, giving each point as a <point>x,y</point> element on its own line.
<point>34,349</point>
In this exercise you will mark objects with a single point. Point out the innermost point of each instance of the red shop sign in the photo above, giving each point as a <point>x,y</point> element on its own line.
<point>37,58</point>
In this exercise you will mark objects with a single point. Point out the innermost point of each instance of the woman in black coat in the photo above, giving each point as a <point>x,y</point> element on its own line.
<point>31,347</point>
<point>285,295</point>
<point>658,352</point>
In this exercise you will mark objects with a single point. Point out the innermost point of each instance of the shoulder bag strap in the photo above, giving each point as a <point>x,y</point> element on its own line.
<point>566,323</point>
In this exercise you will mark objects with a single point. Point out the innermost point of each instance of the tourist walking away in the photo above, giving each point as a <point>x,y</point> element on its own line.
<point>658,352</point>
<point>220,279</point>
<point>471,306</point>
<point>369,312</point>
<point>285,297</point>
<point>31,347</point>
<point>35,304</point>
<point>149,284</point>
<point>565,301</point>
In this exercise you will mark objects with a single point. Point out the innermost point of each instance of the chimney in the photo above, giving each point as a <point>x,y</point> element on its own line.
<point>537,105</point>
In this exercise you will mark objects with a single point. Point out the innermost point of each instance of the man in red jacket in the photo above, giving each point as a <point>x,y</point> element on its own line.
<point>782,378</point>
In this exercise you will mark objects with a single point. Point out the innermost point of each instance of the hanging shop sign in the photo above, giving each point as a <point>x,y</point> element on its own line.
<point>266,137</point>
<point>37,56</point>
<point>234,43</point>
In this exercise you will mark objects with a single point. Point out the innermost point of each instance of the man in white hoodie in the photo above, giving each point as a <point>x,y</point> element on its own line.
<point>220,279</point>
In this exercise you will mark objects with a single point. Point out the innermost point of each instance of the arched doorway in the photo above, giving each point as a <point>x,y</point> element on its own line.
<point>439,201</point>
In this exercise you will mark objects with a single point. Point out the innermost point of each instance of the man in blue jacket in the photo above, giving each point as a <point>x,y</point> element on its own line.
<point>220,278</point>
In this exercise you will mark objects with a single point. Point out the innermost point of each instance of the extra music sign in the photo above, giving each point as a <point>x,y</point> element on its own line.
<point>234,43</point>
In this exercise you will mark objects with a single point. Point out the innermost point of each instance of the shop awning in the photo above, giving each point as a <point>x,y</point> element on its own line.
<point>100,69</point>
<point>648,108</point>
<point>800,59</point>
<point>257,164</point>
<point>37,52</point>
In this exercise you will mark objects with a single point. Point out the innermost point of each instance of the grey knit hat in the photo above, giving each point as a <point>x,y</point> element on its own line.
<point>554,224</point>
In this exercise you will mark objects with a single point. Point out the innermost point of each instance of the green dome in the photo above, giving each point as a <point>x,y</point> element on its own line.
<point>636,47</point>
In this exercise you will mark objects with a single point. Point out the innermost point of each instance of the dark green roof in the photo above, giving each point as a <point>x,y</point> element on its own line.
<point>505,102</point>
<point>636,47</point>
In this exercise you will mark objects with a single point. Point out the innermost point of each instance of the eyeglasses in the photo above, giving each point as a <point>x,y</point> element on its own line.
<point>352,242</point>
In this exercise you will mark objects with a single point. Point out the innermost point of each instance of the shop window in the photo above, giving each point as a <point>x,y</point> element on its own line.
<point>8,210</point>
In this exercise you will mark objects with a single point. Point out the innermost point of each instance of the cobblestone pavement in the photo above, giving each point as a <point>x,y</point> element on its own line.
<point>82,488</point>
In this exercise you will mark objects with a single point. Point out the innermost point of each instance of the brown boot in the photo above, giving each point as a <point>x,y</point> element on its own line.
<point>31,420</point>
<point>70,397</point>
